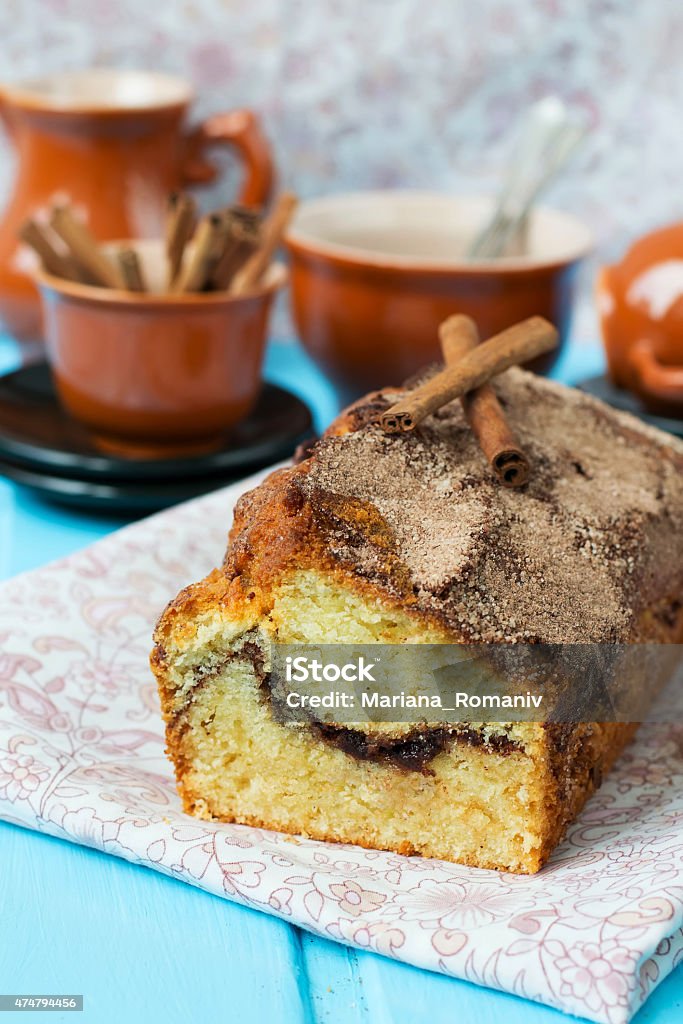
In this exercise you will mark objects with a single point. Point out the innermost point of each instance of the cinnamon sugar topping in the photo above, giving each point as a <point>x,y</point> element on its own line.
<point>566,559</point>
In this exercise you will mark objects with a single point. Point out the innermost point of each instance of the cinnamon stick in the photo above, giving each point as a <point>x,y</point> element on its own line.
<point>84,249</point>
<point>207,247</point>
<point>53,261</point>
<point>243,214</point>
<point>241,241</point>
<point>180,220</point>
<point>458,335</point>
<point>273,230</point>
<point>129,264</point>
<point>483,411</point>
<point>517,344</point>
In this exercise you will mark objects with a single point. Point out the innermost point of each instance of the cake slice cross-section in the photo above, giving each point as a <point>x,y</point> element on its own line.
<point>373,538</point>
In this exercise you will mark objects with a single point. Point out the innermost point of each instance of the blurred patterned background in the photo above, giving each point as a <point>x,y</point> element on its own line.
<point>363,93</point>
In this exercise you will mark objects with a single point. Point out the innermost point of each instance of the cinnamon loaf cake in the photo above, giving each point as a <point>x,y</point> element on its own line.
<point>409,539</point>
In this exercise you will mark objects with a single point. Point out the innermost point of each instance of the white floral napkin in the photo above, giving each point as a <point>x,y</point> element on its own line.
<point>81,757</point>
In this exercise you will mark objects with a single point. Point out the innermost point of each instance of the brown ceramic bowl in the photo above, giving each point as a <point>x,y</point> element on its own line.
<point>156,374</point>
<point>373,274</point>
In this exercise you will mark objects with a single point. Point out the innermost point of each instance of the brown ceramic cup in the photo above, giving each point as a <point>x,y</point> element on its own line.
<point>113,142</point>
<point>154,375</point>
<point>374,274</point>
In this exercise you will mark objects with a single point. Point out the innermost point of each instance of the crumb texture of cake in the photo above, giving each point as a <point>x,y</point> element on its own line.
<point>408,539</point>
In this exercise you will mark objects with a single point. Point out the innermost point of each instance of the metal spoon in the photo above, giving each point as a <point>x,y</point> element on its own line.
<point>549,137</point>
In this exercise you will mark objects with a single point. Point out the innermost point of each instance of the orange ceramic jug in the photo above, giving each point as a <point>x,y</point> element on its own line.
<point>641,311</point>
<point>114,144</point>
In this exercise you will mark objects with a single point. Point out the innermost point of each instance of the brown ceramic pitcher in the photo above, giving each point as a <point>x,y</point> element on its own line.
<point>113,143</point>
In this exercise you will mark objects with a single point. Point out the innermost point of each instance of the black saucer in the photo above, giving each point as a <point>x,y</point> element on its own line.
<point>42,447</point>
<point>602,387</point>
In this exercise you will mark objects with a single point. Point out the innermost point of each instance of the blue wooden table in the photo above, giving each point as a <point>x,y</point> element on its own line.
<point>145,948</point>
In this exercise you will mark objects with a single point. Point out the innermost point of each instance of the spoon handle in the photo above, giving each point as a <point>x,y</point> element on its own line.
<point>548,138</point>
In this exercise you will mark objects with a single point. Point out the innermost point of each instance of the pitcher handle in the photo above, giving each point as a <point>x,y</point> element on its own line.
<point>240,129</point>
<point>655,380</point>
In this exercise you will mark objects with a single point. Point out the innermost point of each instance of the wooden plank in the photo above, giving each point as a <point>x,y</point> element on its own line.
<point>139,946</point>
<point>335,986</point>
<point>395,993</point>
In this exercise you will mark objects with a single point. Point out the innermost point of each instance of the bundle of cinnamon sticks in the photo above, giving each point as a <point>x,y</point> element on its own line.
<point>468,368</point>
<point>228,250</point>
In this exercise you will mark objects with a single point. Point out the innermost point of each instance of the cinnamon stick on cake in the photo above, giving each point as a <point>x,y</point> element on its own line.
<point>484,413</point>
<point>410,538</point>
<point>517,344</point>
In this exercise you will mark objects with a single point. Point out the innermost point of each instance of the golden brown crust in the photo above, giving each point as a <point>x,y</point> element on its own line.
<point>578,764</point>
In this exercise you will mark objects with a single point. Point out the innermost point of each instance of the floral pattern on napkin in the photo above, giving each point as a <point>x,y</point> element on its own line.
<point>81,757</point>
